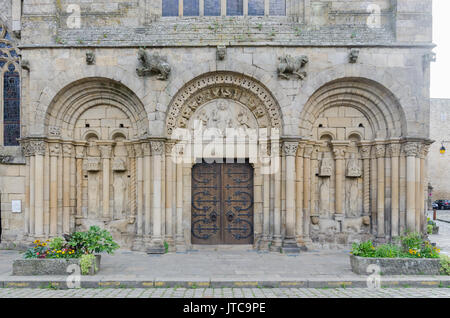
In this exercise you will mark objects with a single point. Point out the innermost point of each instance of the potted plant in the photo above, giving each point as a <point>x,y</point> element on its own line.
<point>412,255</point>
<point>432,228</point>
<point>52,257</point>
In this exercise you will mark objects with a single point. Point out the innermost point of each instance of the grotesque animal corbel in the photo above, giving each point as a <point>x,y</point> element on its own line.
<point>353,57</point>
<point>153,64</point>
<point>292,66</point>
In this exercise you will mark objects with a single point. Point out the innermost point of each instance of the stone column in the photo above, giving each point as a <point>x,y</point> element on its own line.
<point>67,154</point>
<point>265,157</point>
<point>373,190</point>
<point>170,199</point>
<point>79,156</point>
<point>339,150</point>
<point>313,212</point>
<point>132,197</point>
<point>290,152</point>
<point>306,191</point>
<point>27,153</point>
<point>423,196</point>
<point>380,151</point>
<point>394,152</point>
<point>276,155</point>
<point>106,150</point>
<point>138,243</point>
<point>54,150</point>
<point>179,238</point>
<point>147,190</point>
<point>299,194</point>
<point>411,151</point>
<point>365,154</point>
<point>157,153</point>
<point>39,152</point>
<point>419,191</point>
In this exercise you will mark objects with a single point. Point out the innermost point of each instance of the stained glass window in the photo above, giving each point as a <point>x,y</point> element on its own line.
<point>235,7</point>
<point>277,7</point>
<point>255,7</point>
<point>11,106</point>
<point>170,8</point>
<point>191,8</point>
<point>212,7</point>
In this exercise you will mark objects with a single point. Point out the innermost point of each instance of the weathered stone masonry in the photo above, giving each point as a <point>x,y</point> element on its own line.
<point>98,117</point>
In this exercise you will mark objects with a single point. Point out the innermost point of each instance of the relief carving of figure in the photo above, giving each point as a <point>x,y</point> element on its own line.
<point>353,167</point>
<point>120,188</point>
<point>353,198</point>
<point>221,118</point>
<point>326,167</point>
<point>324,203</point>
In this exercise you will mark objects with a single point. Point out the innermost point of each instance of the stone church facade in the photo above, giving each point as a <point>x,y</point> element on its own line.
<point>114,110</point>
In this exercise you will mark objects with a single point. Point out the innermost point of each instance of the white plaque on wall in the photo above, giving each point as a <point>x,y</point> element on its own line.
<point>16,206</point>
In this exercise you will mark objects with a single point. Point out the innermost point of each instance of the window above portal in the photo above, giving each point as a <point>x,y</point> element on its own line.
<point>193,8</point>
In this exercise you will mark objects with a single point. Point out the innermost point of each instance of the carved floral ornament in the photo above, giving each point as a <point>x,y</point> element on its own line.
<point>223,86</point>
<point>290,148</point>
<point>34,147</point>
<point>411,149</point>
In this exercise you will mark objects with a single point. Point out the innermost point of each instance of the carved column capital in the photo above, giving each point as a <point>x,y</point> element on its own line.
<point>424,151</point>
<point>393,150</point>
<point>169,147</point>
<point>106,151</point>
<point>365,152</point>
<point>157,147</point>
<point>146,150</point>
<point>308,151</point>
<point>290,148</point>
<point>411,149</point>
<point>138,150</point>
<point>67,150</point>
<point>130,150</point>
<point>380,151</point>
<point>80,151</point>
<point>339,152</point>
<point>38,147</point>
<point>54,149</point>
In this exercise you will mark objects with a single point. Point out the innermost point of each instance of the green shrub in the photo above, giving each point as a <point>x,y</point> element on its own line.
<point>86,262</point>
<point>93,241</point>
<point>445,265</point>
<point>364,249</point>
<point>429,229</point>
<point>388,251</point>
<point>56,243</point>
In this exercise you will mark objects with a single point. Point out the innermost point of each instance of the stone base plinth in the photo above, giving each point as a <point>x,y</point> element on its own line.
<point>396,266</point>
<point>36,266</point>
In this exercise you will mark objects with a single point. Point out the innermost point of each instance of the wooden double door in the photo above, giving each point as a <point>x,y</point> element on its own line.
<point>222,203</point>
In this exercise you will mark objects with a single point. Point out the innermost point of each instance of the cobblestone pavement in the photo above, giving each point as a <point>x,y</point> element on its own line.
<point>228,293</point>
<point>443,238</point>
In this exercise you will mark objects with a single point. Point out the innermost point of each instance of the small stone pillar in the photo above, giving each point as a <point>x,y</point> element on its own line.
<point>306,191</point>
<point>79,156</point>
<point>276,155</point>
<point>339,149</point>
<point>299,194</point>
<point>39,152</point>
<point>380,152</point>
<point>106,150</point>
<point>290,151</point>
<point>147,190</point>
<point>394,153</point>
<point>157,148</point>
<point>411,151</point>
<point>170,200</point>
<point>365,155</point>
<point>54,151</point>
<point>138,242</point>
<point>179,238</point>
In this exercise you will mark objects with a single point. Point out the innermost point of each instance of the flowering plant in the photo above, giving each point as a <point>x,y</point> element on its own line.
<point>76,245</point>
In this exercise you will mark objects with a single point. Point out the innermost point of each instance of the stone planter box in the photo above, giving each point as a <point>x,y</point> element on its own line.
<point>37,266</point>
<point>396,266</point>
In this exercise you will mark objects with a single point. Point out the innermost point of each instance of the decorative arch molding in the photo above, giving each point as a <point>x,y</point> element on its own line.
<point>399,92</point>
<point>380,107</point>
<point>223,85</point>
<point>79,96</point>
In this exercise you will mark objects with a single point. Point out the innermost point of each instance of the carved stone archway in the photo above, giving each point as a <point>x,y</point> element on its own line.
<point>223,85</point>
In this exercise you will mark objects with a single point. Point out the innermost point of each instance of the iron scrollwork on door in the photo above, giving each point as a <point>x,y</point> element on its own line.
<point>222,204</point>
